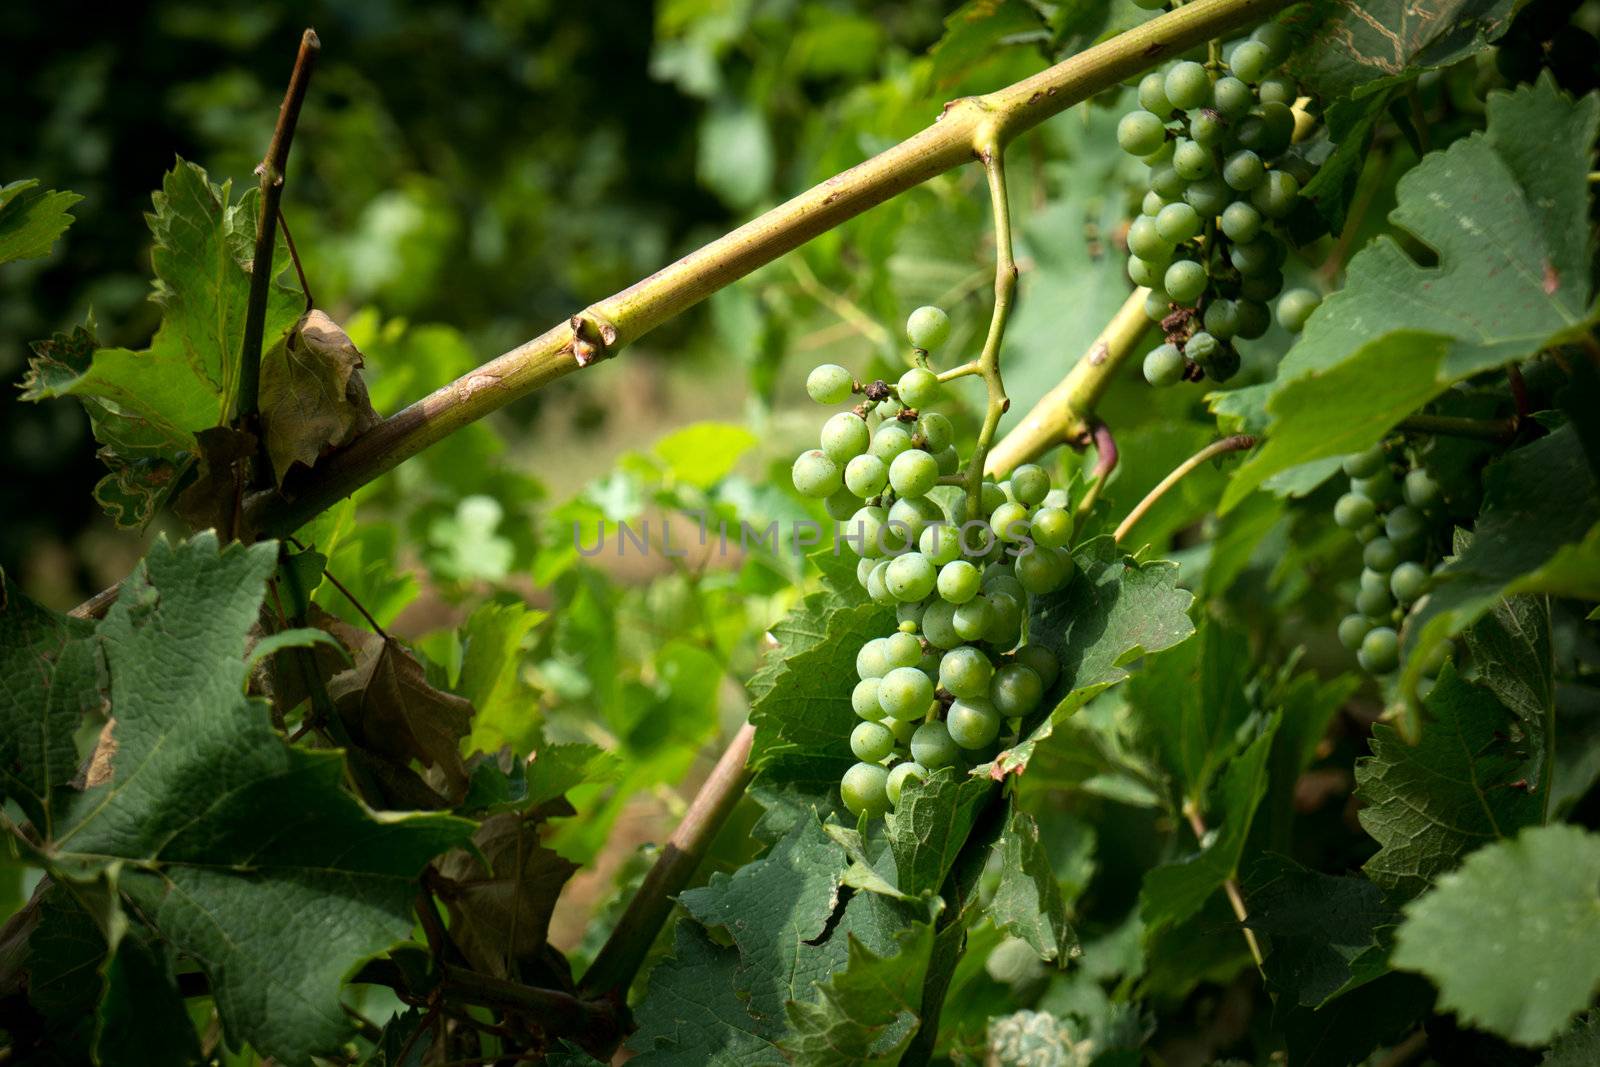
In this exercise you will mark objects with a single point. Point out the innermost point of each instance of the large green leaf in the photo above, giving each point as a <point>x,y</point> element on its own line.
<point>867,1012</point>
<point>1027,903</point>
<point>1506,212</point>
<point>931,824</point>
<point>1190,702</point>
<point>1429,804</point>
<point>31,219</point>
<point>226,838</point>
<point>691,1013</point>
<point>1539,963</point>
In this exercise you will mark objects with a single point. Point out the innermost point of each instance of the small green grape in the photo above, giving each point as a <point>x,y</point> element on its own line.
<point>1421,491</point>
<point>1037,571</point>
<point>1030,483</point>
<point>918,387</point>
<point>1002,578</point>
<point>991,496</point>
<point>1380,554</point>
<point>1240,221</point>
<point>910,577</point>
<point>1380,651</point>
<point>1353,511</point>
<point>1250,61</point>
<point>1254,257</point>
<point>1265,285</point>
<point>865,476</point>
<point>905,693</point>
<point>1177,223</point>
<point>965,672</point>
<point>1145,240</point>
<point>1010,522</point>
<point>1193,161</point>
<point>845,436</point>
<point>1277,121</point>
<point>927,328</point>
<point>1209,196</point>
<point>1005,619</point>
<point>1015,690</point>
<point>1165,180</point>
<point>913,473</point>
<point>864,700</point>
<point>901,650</point>
<point>912,516</point>
<point>1223,364</point>
<point>1222,318</point>
<point>901,773</point>
<point>864,789</point>
<point>1364,464</point>
<point>958,581</point>
<point>1144,272</point>
<point>877,585</point>
<point>1201,347</point>
<point>972,724</point>
<point>1408,582</point>
<point>1206,127</point>
<point>871,741</point>
<point>1163,365</point>
<point>1253,319</point>
<point>1232,97</point>
<point>1404,525</point>
<point>841,505</point>
<point>815,475</point>
<point>1151,203</point>
<point>1158,305</point>
<point>940,542</point>
<point>870,659</point>
<point>1188,86</point>
<point>863,569</point>
<point>1052,527</point>
<point>1041,661</point>
<point>1276,39</point>
<point>938,625</point>
<point>1153,94</point>
<point>1276,194</point>
<point>1140,133</point>
<point>1276,89</point>
<point>1295,307</point>
<point>1379,488</point>
<point>971,619</point>
<point>829,384</point>
<point>1243,171</point>
<point>1185,280</point>
<point>1352,629</point>
<point>1374,603</point>
<point>909,616</point>
<point>866,532</point>
<point>937,430</point>
<point>891,439</point>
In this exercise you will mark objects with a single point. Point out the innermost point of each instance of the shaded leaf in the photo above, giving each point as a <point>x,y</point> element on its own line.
<point>1578,1047</point>
<point>691,1012</point>
<point>975,30</point>
<point>867,1012</point>
<point>931,824</point>
<point>1513,657</point>
<point>312,395</point>
<point>1027,903</point>
<point>32,218</point>
<point>142,1019</point>
<point>1350,1028</point>
<point>1190,703</point>
<point>214,500</point>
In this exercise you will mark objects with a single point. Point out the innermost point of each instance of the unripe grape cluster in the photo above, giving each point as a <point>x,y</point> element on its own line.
<point>1216,141</point>
<point>956,673</point>
<point>1395,511</point>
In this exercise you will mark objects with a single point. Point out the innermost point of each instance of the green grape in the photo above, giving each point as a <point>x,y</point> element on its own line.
<point>913,473</point>
<point>1029,484</point>
<point>958,581</point>
<point>1153,94</point>
<point>909,616</point>
<point>1010,522</point>
<point>1144,272</point>
<point>1185,280</point>
<point>1188,86</point>
<point>901,650</point>
<point>1222,318</point>
<point>864,699</point>
<point>1243,171</point>
<point>1209,196</point>
<point>815,475</point>
<point>913,516</point>
<point>932,747</point>
<point>927,328</point>
<point>940,542</point>
<point>1038,571</point>
<point>937,430</point>
<point>1201,347</point>
<point>866,531</point>
<point>891,439</point>
<point>938,625</point>
<point>1295,307</point>
<point>898,775</point>
<point>1276,90</point>
<point>910,577</point>
<point>1374,603</point>
<point>1404,525</point>
<point>1368,532</point>
<point>1152,203</point>
<point>1380,651</point>
<point>1253,319</point>
<point>1160,155</point>
<point>918,387</point>
<point>1372,578</point>
<point>1254,134</point>
<point>1277,120</point>
<point>1232,97</point>
<point>1145,240</point>
<point>1254,257</point>
<point>1250,61</point>
<point>1192,161</point>
<point>1379,488</point>
<point>1408,582</point>
<point>1158,305</point>
<point>1005,619</point>
<point>929,663</point>
<point>841,505</point>
<point>877,585</point>
<point>1041,661</point>
<point>972,724</point>
<point>905,693</point>
<point>871,742</point>
<point>1002,578</point>
<point>1380,554</point>
<point>1165,181</point>
<point>1353,511</point>
<point>1276,194</point>
<point>863,569</point>
<point>1276,39</point>
<point>1352,629</point>
<point>1163,365</point>
<point>1052,527</point>
<point>1265,285</point>
<point>1224,364</point>
<point>845,436</point>
<point>1421,491</point>
<point>871,661</point>
<point>947,461</point>
<point>1140,133</point>
<point>1177,223</point>
<point>1240,221</point>
<point>991,496</point>
<point>1365,464</point>
<point>903,730</point>
<point>864,789</point>
<point>1206,127</point>
<point>865,476</point>
<point>971,619</point>
<point>1015,691</point>
<point>829,384</point>
<point>965,672</point>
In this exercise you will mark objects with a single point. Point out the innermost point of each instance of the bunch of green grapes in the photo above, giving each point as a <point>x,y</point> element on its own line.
<point>1395,511</point>
<point>1216,143</point>
<point>956,673</point>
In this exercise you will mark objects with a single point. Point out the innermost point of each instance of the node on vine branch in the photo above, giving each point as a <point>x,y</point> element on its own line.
<point>592,338</point>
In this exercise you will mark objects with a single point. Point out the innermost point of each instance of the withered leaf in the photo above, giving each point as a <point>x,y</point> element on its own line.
<point>312,395</point>
<point>500,915</point>
<point>212,500</point>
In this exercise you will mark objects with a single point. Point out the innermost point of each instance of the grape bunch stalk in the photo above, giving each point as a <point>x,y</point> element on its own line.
<point>960,572</point>
<point>1396,514</point>
<point>1216,137</point>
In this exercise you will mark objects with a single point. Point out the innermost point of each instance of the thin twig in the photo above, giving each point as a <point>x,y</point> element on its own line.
<point>619,958</point>
<point>1455,426</point>
<point>1105,447</point>
<point>1236,443</point>
<point>271,170</point>
<point>294,257</point>
<point>1230,886</point>
<point>346,593</point>
<point>992,151</point>
<point>839,305</point>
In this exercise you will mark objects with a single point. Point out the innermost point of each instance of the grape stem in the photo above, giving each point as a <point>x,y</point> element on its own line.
<point>974,367</point>
<point>1455,426</point>
<point>992,151</point>
<point>1236,443</point>
<point>1105,447</point>
<point>1230,886</point>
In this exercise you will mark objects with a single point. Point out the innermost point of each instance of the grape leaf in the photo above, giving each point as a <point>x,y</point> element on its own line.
<point>1347,1030</point>
<point>1513,657</point>
<point>974,31</point>
<point>1174,892</point>
<point>867,1012</point>
<point>1538,532</point>
<point>312,395</point>
<point>691,1013</point>
<point>31,219</point>
<point>1506,212</point>
<point>1578,1047</point>
<point>1190,702</point>
<point>1430,803</point>
<point>226,838</point>
<point>1355,47</point>
<point>142,1018</point>
<point>1538,963</point>
<point>491,672</point>
<point>1027,903</point>
<point>704,453</point>
<point>1113,611</point>
<point>1323,935</point>
<point>931,824</point>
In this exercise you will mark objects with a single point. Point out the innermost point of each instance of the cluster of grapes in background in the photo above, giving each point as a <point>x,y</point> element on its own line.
<point>942,687</point>
<point>1395,511</point>
<point>1215,137</point>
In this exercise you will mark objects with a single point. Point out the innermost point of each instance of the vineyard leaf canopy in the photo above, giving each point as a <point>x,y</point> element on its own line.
<point>225,837</point>
<point>1506,211</point>
<point>1533,959</point>
<point>32,218</point>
